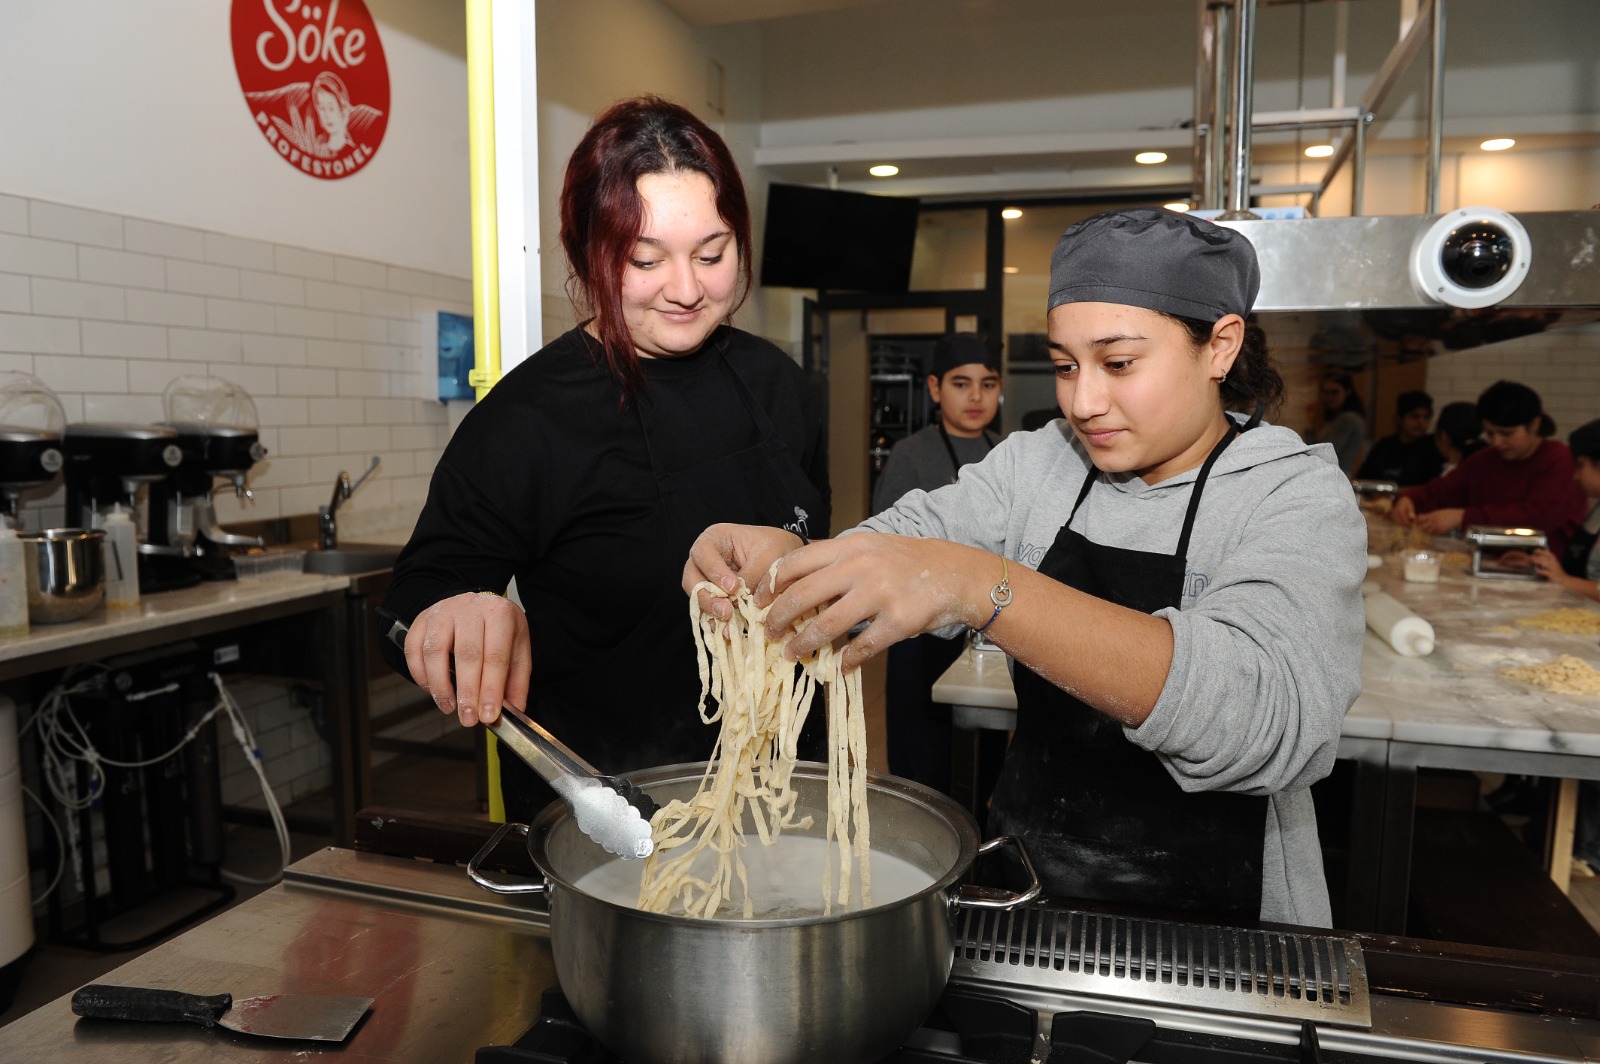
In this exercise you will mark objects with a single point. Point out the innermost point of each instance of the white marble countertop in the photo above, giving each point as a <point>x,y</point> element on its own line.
<point>1456,695</point>
<point>1452,697</point>
<point>166,610</point>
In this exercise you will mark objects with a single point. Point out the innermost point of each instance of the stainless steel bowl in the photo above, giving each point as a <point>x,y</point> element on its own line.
<point>66,573</point>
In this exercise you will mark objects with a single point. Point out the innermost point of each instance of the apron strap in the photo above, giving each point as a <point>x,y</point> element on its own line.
<point>949,448</point>
<point>1199,482</point>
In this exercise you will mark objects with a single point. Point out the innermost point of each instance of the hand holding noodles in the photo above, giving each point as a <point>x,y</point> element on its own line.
<point>762,703</point>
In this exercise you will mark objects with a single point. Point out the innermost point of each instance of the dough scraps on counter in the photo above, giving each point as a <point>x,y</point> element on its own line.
<point>1566,675</point>
<point>1573,620</point>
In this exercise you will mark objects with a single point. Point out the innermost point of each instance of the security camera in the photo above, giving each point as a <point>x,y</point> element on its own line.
<point>1471,257</point>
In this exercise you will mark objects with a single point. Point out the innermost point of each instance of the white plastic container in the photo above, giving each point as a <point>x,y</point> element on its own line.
<point>1422,566</point>
<point>122,560</point>
<point>1408,634</point>
<point>13,584</point>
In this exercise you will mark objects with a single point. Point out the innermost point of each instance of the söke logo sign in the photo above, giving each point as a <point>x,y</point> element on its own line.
<point>314,77</point>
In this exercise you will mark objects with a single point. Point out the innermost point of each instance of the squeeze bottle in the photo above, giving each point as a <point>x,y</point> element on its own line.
<point>121,560</point>
<point>1410,635</point>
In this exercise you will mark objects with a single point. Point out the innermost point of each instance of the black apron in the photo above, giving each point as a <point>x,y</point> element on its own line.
<point>1575,559</point>
<point>635,709</point>
<point>1101,818</point>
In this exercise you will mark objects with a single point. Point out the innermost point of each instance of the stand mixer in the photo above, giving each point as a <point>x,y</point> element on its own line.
<point>107,465</point>
<point>217,430</point>
<point>31,423</point>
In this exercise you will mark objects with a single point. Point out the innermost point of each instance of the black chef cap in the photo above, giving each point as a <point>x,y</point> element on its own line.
<point>1585,440</point>
<point>1157,259</point>
<point>963,349</point>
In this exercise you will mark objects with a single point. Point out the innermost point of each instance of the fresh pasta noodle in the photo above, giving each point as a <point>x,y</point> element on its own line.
<point>762,701</point>
<point>1566,675</point>
<point>1569,619</point>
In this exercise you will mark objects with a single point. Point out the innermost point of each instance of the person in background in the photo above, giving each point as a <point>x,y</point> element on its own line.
<point>1184,610</point>
<point>1409,456</point>
<point>1457,434</point>
<point>965,385</point>
<point>1343,420</point>
<point>1520,479</point>
<point>1578,568</point>
<point>589,469</point>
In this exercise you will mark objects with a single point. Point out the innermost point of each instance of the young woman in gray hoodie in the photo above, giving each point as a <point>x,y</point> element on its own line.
<point>1178,587</point>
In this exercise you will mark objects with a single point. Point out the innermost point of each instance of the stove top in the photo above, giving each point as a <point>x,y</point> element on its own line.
<point>966,1028</point>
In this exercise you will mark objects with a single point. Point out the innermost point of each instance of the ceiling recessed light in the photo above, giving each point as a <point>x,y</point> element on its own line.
<point>1150,158</point>
<point>1179,207</point>
<point>1011,213</point>
<point>1319,151</point>
<point>884,170</point>
<point>1497,144</point>
<point>1010,269</point>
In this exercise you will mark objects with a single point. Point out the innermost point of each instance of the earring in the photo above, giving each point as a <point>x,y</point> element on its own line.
<point>1222,378</point>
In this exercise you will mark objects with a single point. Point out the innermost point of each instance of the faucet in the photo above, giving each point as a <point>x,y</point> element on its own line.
<point>327,527</point>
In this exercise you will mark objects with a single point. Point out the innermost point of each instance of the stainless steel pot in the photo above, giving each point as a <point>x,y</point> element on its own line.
<point>66,573</point>
<point>659,989</point>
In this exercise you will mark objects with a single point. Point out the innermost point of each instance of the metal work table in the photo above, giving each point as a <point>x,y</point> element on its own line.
<point>313,606</point>
<point>451,969</point>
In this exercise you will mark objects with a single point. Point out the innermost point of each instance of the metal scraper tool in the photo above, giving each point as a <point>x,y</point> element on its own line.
<point>310,1017</point>
<point>610,810</point>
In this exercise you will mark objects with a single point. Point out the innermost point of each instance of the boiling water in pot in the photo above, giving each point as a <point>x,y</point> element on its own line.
<point>785,879</point>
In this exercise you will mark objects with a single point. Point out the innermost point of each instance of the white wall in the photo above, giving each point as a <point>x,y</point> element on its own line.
<point>135,109</point>
<point>597,52</point>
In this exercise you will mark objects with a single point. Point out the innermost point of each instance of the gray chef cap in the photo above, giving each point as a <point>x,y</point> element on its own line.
<point>954,350</point>
<point>1157,259</point>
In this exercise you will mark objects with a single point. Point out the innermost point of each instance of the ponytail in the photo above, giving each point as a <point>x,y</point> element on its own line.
<point>1253,378</point>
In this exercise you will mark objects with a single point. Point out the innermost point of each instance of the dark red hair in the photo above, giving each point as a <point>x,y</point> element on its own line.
<point>602,213</point>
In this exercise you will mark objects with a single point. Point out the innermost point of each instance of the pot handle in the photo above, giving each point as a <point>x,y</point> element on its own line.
<point>483,855</point>
<point>971,897</point>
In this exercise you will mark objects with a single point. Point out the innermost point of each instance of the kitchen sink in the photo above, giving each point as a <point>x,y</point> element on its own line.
<point>351,558</point>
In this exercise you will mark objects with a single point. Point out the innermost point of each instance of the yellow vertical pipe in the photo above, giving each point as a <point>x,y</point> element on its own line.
<point>485,241</point>
<point>485,250</point>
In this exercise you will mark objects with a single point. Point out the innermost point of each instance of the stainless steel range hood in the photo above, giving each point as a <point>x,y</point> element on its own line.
<point>1417,285</point>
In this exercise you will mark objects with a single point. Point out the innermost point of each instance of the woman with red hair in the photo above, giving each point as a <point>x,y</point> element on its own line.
<point>588,471</point>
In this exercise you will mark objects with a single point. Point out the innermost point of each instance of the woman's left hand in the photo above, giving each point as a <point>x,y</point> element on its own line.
<point>902,585</point>
<point>1548,565</point>
<point>1439,522</point>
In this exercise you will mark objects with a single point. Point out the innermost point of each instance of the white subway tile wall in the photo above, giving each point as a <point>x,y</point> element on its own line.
<point>107,310</point>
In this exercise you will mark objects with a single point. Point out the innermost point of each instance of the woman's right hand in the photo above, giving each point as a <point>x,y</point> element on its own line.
<point>725,554</point>
<point>473,654</point>
<point>1404,512</point>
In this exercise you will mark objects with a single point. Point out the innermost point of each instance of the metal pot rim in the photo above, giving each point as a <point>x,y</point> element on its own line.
<point>939,805</point>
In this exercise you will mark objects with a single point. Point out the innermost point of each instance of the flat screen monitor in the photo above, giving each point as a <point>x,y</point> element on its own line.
<point>839,241</point>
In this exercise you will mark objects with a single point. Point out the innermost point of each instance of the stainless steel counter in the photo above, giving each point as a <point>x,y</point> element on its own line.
<point>449,968</point>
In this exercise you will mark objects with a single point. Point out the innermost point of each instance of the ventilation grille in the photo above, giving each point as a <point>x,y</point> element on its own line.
<point>1258,973</point>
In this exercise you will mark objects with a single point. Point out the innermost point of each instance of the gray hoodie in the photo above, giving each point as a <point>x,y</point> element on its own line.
<point>1267,645</point>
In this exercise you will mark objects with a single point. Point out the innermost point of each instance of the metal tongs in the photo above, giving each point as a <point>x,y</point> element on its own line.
<point>609,809</point>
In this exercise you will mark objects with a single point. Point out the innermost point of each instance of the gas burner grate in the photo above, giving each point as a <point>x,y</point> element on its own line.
<point>1277,974</point>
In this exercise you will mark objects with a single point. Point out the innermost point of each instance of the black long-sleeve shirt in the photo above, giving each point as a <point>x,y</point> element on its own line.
<point>549,480</point>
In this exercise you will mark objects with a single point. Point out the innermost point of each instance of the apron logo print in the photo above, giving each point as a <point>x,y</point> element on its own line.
<point>798,525</point>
